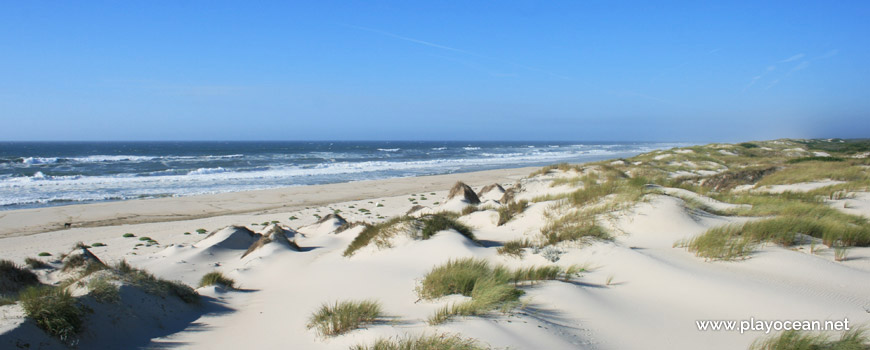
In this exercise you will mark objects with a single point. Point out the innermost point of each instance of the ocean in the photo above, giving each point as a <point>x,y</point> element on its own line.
<point>38,174</point>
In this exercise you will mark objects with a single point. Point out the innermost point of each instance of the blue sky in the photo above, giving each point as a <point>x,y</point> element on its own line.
<point>374,70</point>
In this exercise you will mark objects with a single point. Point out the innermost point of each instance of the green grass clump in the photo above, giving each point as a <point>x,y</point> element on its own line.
<point>428,225</point>
<point>815,170</point>
<point>44,254</point>
<point>156,286</point>
<point>103,290</point>
<point>747,145</point>
<point>201,231</point>
<point>490,287</point>
<point>573,226</point>
<point>814,159</point>
<point>128,235</point>
<point>216,278</point>
<point>856,339</point>
<point>14,278</point>
<point>146,238</point>
<point>514,248</point>
<point>737,241</point>
<point>370,232</point>
<point>35,263</point>
<point>435,223</point>
<point>508,211</point>
<point>424,342</point>
<point>54,310</point>
<point>98,244</point>
<point>345,316</point>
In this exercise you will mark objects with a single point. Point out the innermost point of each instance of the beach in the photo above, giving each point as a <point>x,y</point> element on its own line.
<point>627,272</point>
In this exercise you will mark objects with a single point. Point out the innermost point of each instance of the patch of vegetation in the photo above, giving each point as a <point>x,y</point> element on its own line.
<point>838,145</point>
<point>560,166</point>
<point>128,235</point>
<point>103,290</point>
<point>35,263</point>
<point>44,254</point>
<point>14,278</point>
<point>146,238</point>
<point>737,241</point>
<point>201,231</point>
<point>814,159</point>
<point>216,278</point>
<point>573,226</point>
<point>154,285</point>
<point>857,339</point>
<point>510,210</point>
<point>747,145</point>
<point>54,310</point>
<point>342,317</point>
<point>427,225</point>
<point>293,218</point>
<point>424,342</point>
<point>469,209</point>
<point>435,223</point>
<point>514,248</point>
<point>98,244</point>
<point>809,171</point>
<point>187,233</point>
<point>490,287</point>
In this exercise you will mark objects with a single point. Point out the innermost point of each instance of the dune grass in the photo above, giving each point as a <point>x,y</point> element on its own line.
<point>154,285</point>
<point>573,226</point>
<point>424,342</point>
<point>514,248</point>
<point>791,214</point>
<point>344,316</point>
<point>855,339</point>
<point>434,223</point>
<point>815,170</point>
<point>373,231</point>
<point>510,210</point>
<point>54,310</point>
<point>14,278</point>
<point>489,286</point>
<point>427,226</point>
<point>103,290</point>
<point>216,278</point>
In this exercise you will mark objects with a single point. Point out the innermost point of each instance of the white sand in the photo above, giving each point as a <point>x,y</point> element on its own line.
<point>655,295</point>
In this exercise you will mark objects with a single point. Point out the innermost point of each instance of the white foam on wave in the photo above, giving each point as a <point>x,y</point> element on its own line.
<point>41,188</point>
<point>438,148</point>
<point>203,171</point>
<point>471,148</point>
<point>38,160</point>
<point>389,149</point>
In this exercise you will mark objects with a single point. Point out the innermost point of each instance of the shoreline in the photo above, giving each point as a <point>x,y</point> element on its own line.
<point>25,222</point>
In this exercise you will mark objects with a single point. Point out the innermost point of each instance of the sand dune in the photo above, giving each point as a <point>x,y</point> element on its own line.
<point>640,288</point>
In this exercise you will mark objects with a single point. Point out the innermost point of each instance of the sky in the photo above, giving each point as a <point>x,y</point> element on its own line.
<point>448,70</point>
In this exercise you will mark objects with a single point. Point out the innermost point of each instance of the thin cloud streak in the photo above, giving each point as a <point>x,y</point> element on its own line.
<point>793,58</point>
<point>453,49</point>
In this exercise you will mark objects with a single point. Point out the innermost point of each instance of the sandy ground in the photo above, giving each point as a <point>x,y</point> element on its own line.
<point>640,293</point>
<point>29,221</point>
